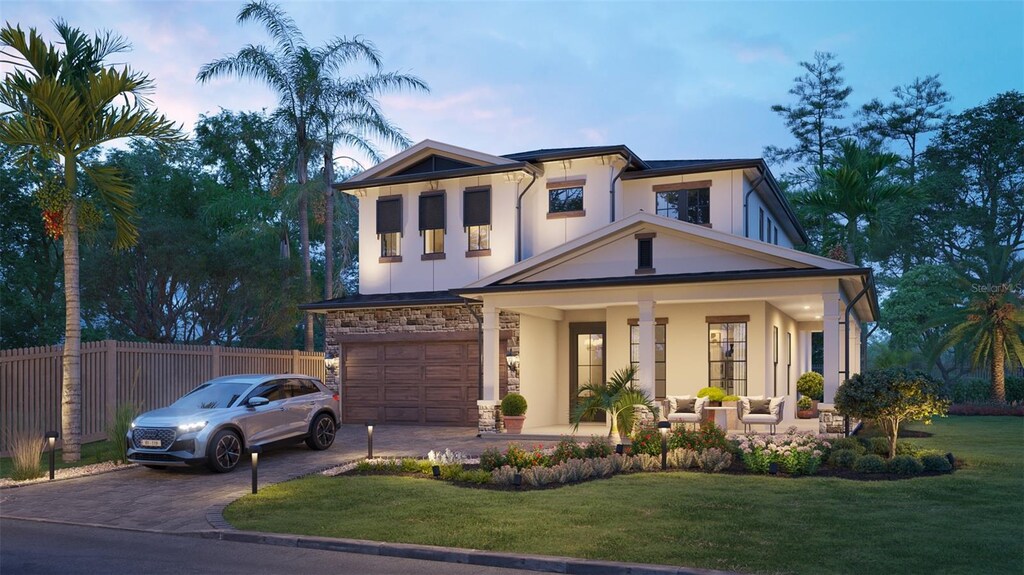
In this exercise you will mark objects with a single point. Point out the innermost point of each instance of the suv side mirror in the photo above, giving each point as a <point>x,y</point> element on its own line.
<point>257,401</point>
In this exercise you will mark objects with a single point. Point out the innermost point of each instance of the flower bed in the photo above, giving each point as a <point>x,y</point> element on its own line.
<point>792,453</point>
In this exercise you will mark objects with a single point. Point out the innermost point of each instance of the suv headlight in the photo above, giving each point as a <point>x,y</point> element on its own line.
<point>191,426</point>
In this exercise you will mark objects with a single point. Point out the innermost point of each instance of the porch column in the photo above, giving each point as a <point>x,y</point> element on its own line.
<point>804,355</point>
<point>490,354</point>
<point>646,327</point>
<point>832,337</point>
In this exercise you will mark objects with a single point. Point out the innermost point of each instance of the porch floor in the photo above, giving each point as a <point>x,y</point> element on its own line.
<point>589,429</point>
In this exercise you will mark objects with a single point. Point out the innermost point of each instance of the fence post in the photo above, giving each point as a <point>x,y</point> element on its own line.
<point>215,362</point>
<point>295,361</point>
<point>110,378</point>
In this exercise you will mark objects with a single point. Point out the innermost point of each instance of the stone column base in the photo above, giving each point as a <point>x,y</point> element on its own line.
<point>642,417</point>
<point>489,416</point>
<point>830,421</point>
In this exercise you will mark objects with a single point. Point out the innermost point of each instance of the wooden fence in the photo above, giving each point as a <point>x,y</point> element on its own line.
<point>148,375</point>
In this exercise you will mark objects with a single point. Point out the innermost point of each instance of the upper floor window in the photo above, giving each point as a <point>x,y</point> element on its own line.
<point>432,224</point>
<point>644,253</point>
<point>687,201</point>
<point>565,197</point>
<point>476,218</point>
<point>389,226</point>
<point>760,224</point>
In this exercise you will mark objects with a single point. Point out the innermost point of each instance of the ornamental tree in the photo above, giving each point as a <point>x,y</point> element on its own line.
<point>890,397</point>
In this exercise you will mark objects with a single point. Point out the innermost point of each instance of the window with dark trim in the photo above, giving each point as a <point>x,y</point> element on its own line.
<point>660,334</point>
<point>769,228</point>
<point>565,200</point>
<point>760,225</point>
<point>389,225</point>
<point>691,205</point>
<point>644,254</point>
<point>432,222</point>
<point>476,218</point>
<point>727,356</point>
<point>776,232</point>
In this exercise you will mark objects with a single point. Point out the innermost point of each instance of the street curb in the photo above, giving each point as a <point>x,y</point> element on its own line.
<point>543,563</point>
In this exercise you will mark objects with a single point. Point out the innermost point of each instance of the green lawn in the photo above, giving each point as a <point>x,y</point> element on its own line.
<point>969,522</point>
<point>95,452</point>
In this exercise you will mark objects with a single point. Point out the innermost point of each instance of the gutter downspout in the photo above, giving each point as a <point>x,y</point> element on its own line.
<point>846,344</point>
<point>746,205</point>
<point>611,192</point>
<point>480,346</point>
<point>519,224</point>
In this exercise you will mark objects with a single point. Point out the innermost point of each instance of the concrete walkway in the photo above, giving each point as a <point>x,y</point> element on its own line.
<point>179,499</point>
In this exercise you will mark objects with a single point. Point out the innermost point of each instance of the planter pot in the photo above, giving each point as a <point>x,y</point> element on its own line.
<point>808,413</point>
<point>513,423</point>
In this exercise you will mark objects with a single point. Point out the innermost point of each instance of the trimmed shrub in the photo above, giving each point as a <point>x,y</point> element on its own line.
<point>491,459</point>
<point>681,458</point>
<point>707,437</point>
<point>714,460</point>
<point>933,462</point>
<point>513,404</point>
<point>842,458</point>
<point>647,462</point>
<point>905,465</point>
<point>812,385</point>
<point>519,458</point>
<point>566,449</point>
<point>880,446</point>
<point>1015,389</point>
<point>478,476</point>
<point>647,441</point>
<point>870,463</point>
<point>503,475</point>
<point>598,447</point>
<point>851,443</point>
<point>539,476</point>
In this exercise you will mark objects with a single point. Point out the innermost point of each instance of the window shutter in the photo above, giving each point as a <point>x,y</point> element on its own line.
<point>389,215</point>
<point>645,253</point>
<point>432,211</point>
<point>476,207</point>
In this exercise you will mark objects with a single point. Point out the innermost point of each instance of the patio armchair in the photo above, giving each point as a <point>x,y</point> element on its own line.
<point>685,409</point>
<point>753,410</point>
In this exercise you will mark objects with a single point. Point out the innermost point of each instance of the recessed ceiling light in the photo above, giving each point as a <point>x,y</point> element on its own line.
<point>807,307</point>
<point>817,317</point>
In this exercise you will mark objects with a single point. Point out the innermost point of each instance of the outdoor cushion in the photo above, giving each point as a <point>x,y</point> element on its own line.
<point>760,406</point>
<point>685,405</point>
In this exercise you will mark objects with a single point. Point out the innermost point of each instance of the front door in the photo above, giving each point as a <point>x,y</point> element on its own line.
<point>586,361</point>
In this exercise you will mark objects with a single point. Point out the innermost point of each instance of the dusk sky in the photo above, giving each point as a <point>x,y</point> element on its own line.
<point>668,79</point>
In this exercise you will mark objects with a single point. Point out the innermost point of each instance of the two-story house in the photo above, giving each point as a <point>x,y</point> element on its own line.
<point>563,265</point>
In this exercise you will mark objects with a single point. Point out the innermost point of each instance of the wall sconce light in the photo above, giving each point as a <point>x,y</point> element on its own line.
<point>512,361</point>
<point>369,440</point>
<point>331,362</point>
<point>664,427</point>
<point>255,451</point>
<point>51,441</point>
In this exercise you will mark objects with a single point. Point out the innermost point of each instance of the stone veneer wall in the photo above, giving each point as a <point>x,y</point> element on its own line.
<point>436,318</point>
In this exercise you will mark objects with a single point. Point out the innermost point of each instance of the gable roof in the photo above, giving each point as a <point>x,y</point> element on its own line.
<point>555,154</point>
<point>411,156</point>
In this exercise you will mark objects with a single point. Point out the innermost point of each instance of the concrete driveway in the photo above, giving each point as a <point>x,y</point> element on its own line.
<point>185,499</point>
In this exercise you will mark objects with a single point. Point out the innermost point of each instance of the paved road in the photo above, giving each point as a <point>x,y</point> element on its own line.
<point>178,499</point>
<point>35,548</point>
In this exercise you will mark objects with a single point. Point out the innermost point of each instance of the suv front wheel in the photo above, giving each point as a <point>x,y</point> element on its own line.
<point>224,451</point>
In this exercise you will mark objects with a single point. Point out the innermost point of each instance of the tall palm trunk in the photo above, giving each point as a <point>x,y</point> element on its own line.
<point>329,222</point>
<point>851,231</point>
<point>71,384</point>
<point>307,270</point>
<point>998,365</point>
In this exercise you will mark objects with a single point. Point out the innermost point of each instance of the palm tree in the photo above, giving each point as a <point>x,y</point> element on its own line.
<point>992,321</point>
<point>297,73</point>
<point>617,398</point>
<point>61,104</point>
<point>856,190</point>
<point>350,114</point>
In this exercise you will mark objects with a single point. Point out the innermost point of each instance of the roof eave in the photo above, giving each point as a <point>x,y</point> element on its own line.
<point>445,175</point>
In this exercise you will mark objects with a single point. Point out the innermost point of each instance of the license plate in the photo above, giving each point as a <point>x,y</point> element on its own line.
<point>150,443</point>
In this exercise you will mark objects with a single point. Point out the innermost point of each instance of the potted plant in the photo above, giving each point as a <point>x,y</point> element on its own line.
<point>811,387</point>
<point>715,396</point>
<point>513,412</point>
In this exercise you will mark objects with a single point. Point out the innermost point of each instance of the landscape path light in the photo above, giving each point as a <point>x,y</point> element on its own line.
<point>255,450</point>
<point>664,427</point>
<point>369,440</point>
<point>51,441</point>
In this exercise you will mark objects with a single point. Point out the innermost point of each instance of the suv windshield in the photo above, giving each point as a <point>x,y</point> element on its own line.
<point>212,395</point>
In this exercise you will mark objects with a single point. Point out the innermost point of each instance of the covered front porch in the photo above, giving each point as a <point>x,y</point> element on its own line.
<point>750,337</point>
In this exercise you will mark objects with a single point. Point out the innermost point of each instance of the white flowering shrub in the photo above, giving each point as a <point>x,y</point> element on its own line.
<point>713,460</point>
<point>795,453</point>
<point>446,457</point>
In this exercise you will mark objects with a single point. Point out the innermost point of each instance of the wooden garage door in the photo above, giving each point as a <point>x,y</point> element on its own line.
<point>421,382</point>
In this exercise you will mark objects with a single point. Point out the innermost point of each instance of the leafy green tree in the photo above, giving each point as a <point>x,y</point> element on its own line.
<point>973,173</point>
<point>916,110</point>
<point>62,103</point>
<point>616,398</point>
<point>816,119</point>
<point>891,397</point>
<point>296,72</point>
<point>855,192</point>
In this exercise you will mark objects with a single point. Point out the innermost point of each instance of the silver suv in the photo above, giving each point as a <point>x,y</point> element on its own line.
<point>215,422</point>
